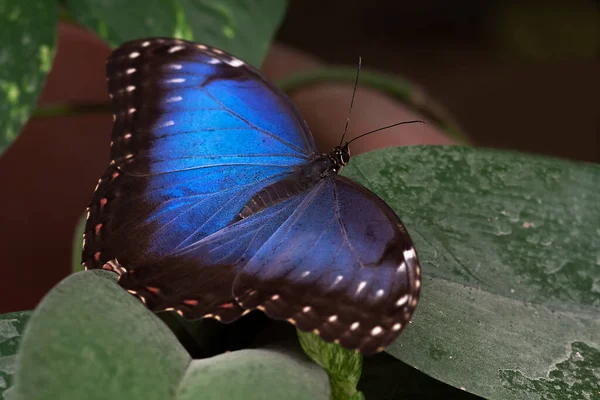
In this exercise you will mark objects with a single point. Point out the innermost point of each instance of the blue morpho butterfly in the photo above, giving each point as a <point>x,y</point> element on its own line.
<point>216,203</point>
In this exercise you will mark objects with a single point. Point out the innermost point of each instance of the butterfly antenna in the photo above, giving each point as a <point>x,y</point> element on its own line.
<point>351,101</point>
<point>387,127</point>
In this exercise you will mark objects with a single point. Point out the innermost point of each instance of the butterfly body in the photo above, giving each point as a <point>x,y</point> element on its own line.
<point>216,202</point>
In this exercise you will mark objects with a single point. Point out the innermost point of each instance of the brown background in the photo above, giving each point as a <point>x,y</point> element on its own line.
<point>464,53</point>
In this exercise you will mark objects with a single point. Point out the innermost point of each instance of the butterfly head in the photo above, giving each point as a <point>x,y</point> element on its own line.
<point>340,157</point>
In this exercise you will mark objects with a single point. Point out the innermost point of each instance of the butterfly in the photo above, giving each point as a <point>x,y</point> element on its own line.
<point>216,203</point>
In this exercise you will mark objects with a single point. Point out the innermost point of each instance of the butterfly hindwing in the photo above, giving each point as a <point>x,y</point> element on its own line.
<point>341,264</point>
<point>183,285</point>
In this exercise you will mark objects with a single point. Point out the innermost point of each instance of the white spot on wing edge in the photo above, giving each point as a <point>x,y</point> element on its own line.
<point>130,88</point>
<point>354,326</point>
<point>376,331</point>
<point>380,293</point>
<point>175,49</point>
<point>402,300</point>
<point>134,54</point>
<point>214,61</point>
<point>410,254</point>
<point>130,71</point>
<point>175,66</point>
<point>397,327</point>
<point>306,309</point>
<point>332,318</point>
<point>175,80</point>
<point>361,286</point>
<point>146,43</point>
<point>338,279</point>
<point>234,62</point>
<point>401,268</point>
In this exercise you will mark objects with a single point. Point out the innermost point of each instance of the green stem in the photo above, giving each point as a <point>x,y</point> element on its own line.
<point>396,87</point>
<point>59,110</point>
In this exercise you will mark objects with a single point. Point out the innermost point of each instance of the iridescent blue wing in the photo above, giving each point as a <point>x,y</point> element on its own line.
<point>341,264</point>
<point>207,205</point>
<point>196,133</point>
<point>334,259</point>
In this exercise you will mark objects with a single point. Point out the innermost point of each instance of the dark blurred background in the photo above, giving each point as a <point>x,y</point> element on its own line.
<point>519,75</point>
<point>515,74</point>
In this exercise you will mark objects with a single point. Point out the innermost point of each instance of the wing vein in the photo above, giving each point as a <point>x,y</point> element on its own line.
<point>342,227</point>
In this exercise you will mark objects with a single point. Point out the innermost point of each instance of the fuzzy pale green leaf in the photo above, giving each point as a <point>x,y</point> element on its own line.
<point>509,245</point>
<point>90,339</point>
<point>254,375</point>
<point>27,46</point>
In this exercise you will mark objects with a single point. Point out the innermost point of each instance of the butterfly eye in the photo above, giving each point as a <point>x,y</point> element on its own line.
<point>345,157</point>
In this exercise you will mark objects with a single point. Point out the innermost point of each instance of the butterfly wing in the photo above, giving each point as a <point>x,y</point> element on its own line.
<point>341,264</point>
<point>334,259</point>
<point>196,133</point>
<point>196,281</point>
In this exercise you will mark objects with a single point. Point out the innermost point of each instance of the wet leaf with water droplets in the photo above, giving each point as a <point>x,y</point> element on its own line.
<point>509,245</point>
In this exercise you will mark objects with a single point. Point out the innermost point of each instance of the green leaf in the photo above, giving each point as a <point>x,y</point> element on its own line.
<point>242,27</point>
<point>78,244</point>
<point>510,248</point>
<point>119,21</point>
<point>254,374</point>
<point>11,328</point>
<point>27,46</point>
<point>342,366</point>
<point>90,339</point>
